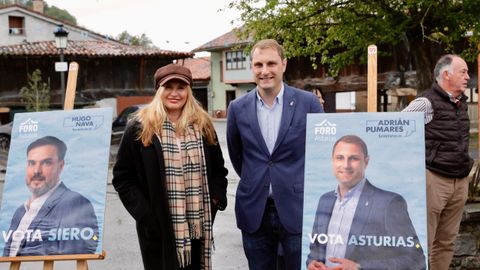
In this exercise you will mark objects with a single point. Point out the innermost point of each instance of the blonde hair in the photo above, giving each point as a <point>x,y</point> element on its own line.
<point>154,115</point>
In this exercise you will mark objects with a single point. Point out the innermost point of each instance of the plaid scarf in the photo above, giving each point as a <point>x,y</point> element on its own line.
<point>187,189</point>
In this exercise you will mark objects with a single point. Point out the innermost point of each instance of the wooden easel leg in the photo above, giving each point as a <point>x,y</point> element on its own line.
<point>48,265</point>
<point>15,266</point>
<point>82,265</point>
<point>48,261</point>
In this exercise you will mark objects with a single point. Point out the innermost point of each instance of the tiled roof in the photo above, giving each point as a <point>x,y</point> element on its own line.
<point>227,40</point>
<point>87,48</point>
<point>200,67</point>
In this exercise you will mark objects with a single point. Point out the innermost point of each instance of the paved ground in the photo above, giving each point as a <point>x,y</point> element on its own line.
<point>120,241</point>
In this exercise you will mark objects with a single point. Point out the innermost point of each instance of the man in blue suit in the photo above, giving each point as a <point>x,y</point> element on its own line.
<point>359,226</point>
<point>266,143</point>
<point>55,219</point>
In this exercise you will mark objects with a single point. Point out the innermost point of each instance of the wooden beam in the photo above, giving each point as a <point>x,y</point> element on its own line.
<point>71,86</point>
<point>141,75</point>
<point>478,104</point>
<point>372,79</point>
<point>70,257</point>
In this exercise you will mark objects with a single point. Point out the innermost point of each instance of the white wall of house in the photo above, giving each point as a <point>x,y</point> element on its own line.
<point>237,81</point>
<point>238,71</point>
<point>36,28</point>
<point>238,76</point>
<point>217,86</point>
<point>345,101</point>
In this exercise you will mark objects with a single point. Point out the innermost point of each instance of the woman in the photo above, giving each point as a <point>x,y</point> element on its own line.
<point>170,175</point>
<point>318,92</point>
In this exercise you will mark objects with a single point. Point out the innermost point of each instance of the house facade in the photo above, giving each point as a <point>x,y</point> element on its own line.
<point>19,24</point>
<point>231,74</point>
<point>200,68</point>
<point>232,77</point>
<point>108,68</point>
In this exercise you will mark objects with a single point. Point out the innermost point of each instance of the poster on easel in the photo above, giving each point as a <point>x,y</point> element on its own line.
<point>365,192</point>
<point>53,199</point>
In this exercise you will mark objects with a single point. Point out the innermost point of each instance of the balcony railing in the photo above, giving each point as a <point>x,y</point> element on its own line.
<point>16,31</point>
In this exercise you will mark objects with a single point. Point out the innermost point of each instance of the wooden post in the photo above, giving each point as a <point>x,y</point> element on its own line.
<point>15,266</point>
<point>372,79</point>
<point>82,265</point>
<point>71,86</point>
<point>48,265</point>
<point>478,106</point>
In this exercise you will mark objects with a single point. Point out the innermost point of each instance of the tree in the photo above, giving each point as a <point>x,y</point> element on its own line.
<point>136,40</point>
<point>36,95</point>
<point>337,32</point>
<point>61,14</point>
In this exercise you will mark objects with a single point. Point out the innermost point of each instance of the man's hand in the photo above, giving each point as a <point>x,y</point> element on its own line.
<point>344,264</point>
<point>316,265</point>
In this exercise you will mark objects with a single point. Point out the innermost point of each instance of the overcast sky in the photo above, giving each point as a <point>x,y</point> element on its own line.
<point>179,25</point>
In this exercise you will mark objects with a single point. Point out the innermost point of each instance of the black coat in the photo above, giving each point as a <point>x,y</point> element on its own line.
<point>139,179</point>
<point>447,135</point>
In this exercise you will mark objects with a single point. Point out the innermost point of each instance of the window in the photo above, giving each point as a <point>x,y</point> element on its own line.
<point>345,101</point>
<point>235,60</point>
<point>16,25</point>
<point>230,96</point>
<point>472,94</point>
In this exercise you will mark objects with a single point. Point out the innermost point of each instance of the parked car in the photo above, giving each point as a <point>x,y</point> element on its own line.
<point>119,124</point>
<point>5,135</point>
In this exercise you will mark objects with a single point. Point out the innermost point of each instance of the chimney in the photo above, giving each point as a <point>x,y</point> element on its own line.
<point>38,6</point>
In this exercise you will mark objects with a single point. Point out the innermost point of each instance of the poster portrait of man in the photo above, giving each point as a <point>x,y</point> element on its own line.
<point>54,194</point>
<point>364,192</point>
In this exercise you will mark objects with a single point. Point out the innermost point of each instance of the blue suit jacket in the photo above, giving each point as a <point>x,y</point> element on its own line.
<point>258,168</point>
<point>378,213</point>
<point>74,224</point>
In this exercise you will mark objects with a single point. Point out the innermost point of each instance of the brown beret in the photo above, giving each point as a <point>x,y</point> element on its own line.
<point>172,71</point>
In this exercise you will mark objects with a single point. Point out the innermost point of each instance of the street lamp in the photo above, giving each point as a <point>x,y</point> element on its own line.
<point>61,37</point>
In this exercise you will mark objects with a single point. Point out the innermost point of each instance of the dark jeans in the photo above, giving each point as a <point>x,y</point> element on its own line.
<point>261,246</point>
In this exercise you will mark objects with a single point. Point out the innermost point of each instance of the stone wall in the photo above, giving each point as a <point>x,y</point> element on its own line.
<point>467,254</point>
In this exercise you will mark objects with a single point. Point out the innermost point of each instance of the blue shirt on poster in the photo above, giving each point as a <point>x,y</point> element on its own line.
<point>341,221</point>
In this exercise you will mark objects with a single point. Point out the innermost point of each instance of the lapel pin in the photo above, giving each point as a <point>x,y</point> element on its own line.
<point>291,103</point>
<point>366,204</point>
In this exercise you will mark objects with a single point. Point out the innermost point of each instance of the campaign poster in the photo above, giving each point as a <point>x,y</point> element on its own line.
<point>55,185</point>
<point>365,192</point>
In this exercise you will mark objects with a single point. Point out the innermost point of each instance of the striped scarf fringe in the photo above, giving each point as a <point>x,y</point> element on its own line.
<point>188,194</point>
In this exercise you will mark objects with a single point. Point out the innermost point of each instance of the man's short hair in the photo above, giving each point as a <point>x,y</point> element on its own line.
<point>50,140</point>
<point>444,63</point>
<point>269,44</point>
<point>353,139</point>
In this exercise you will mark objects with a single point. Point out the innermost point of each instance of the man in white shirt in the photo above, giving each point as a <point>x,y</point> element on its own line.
<point>447,127</point>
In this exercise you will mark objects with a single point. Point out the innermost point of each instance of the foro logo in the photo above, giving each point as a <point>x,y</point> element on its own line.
<point>28,126</point>
<point>325,128</point>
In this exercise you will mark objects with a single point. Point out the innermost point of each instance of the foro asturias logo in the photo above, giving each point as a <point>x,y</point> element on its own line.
<point>29,126</point>
<point>325,128</point>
